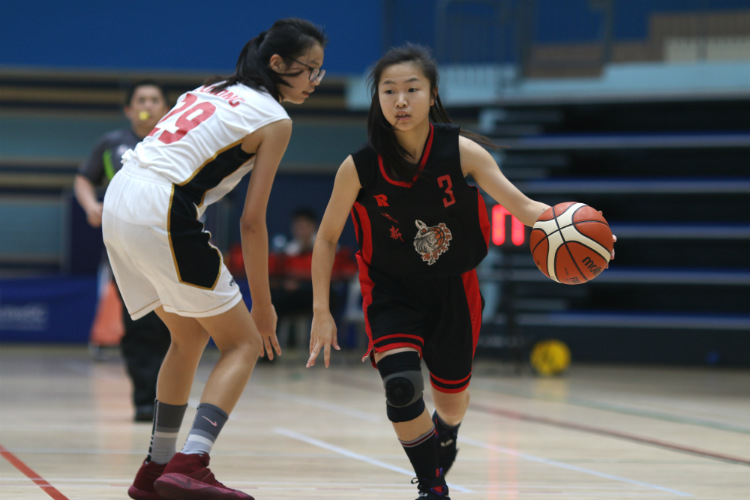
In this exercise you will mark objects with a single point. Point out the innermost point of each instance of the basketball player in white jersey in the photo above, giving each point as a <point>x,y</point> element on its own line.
<point>163,260</point>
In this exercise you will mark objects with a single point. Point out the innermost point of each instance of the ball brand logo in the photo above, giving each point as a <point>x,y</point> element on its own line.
<point>591,265</point>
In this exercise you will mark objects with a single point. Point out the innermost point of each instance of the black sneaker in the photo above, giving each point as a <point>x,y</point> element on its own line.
<point>144,413</point>
<point>432,489</point>
<point>447,449</point>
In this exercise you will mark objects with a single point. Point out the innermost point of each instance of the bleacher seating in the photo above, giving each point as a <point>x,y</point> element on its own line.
<point>672,178</point>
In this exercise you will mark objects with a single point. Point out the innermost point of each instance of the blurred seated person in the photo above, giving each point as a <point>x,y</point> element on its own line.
<point>291,280</point>
<point>289,269</point>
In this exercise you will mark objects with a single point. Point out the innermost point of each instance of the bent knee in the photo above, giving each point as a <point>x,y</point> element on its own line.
<point>404,385</point>
<point>249,346</point>
<point>252,347</point>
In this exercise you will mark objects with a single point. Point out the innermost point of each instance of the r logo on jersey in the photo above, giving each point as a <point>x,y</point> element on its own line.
<point>431,242</point>
<point>381,199</point>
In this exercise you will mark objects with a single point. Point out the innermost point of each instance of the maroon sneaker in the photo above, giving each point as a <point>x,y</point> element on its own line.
<point>187,477</point>
<point>143,484</point>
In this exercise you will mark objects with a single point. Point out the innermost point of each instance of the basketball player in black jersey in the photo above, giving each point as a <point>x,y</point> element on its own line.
<point>422,230</point>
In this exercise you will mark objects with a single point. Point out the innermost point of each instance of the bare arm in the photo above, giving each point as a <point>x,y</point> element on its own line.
<point>345,190</point>
<point>478,163</point>
<point>270,144</point>
<point>85,193</point>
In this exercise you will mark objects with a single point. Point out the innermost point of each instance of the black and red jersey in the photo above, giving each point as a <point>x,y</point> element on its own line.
<point>437,224</point>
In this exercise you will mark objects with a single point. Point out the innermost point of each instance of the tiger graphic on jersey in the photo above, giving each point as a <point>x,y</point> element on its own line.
<point>431,242</point>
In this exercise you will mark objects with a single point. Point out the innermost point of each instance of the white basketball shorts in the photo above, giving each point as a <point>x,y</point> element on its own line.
<point>159,251</point>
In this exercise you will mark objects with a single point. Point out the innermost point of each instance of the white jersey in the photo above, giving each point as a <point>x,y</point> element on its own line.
<point>197,145</point>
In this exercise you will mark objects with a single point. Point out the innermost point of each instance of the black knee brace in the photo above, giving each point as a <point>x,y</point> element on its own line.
<point>402,378</point>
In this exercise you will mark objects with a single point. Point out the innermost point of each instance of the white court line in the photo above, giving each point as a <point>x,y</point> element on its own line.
<point>366,416</point>
<point>301,484</point>
<point>351,454</point>
<point>87,369</point>
<point>317,403</point>
<point>562,465</point>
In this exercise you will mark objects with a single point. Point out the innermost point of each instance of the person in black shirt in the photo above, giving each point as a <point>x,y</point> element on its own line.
<point>422,230</point>
<point>146,340</point>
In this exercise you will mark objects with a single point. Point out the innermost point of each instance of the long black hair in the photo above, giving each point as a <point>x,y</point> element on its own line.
<point>380,133</point>
<point>288,38</point>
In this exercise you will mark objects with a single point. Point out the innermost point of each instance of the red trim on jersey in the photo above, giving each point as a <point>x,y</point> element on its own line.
<point>366,285</point>
<point>484,220</point>
<point>366,244</point>
<point>451,382</point>
<point>402,335</point>
<point>474,301</point>
<point>398,345</point>
<point>422,162</point>
<point>355,222</point>
<point>449,391</point>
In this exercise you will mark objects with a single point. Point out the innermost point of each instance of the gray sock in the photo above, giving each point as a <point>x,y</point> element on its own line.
<point>167,421</point>
<point>206,427</point>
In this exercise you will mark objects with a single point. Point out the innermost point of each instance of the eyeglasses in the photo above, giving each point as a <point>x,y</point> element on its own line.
<point>316,74</point>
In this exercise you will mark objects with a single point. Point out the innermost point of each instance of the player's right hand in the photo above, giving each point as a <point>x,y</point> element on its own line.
<point>94,215</point>
<point>322,336</point>
<point>265,320</point>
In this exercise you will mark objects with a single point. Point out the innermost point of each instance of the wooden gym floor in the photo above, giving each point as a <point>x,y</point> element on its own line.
<point>599,432</point>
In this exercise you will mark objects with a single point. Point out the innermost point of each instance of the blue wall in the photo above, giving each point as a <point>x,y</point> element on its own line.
<point>577,21</point>
<point>206,36</point>
<point>182,35</point>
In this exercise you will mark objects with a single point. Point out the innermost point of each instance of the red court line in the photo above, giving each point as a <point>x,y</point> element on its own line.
<point>608,432</point>
<point>39,481</point>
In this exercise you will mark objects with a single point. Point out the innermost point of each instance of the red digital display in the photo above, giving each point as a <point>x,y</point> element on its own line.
<point>500,218</point>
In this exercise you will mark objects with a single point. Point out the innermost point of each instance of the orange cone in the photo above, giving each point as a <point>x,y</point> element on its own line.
<point>108,327</point>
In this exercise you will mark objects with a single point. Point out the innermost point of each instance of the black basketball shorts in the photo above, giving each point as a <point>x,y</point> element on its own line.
<point>439,316</point>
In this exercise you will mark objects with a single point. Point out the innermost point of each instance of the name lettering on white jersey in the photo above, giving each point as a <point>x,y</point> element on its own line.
<point>199,141</point>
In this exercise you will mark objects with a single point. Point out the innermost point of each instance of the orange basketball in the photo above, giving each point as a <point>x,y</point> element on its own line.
<point>571,243</point>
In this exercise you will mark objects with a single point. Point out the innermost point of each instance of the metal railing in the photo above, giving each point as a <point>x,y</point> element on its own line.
<point>559,38</point>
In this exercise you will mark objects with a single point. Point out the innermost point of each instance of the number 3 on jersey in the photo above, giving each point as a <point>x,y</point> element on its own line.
<point>187,118</point>
<point>444,182</point>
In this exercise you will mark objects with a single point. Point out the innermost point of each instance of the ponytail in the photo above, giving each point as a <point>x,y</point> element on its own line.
<point>288,38</point>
